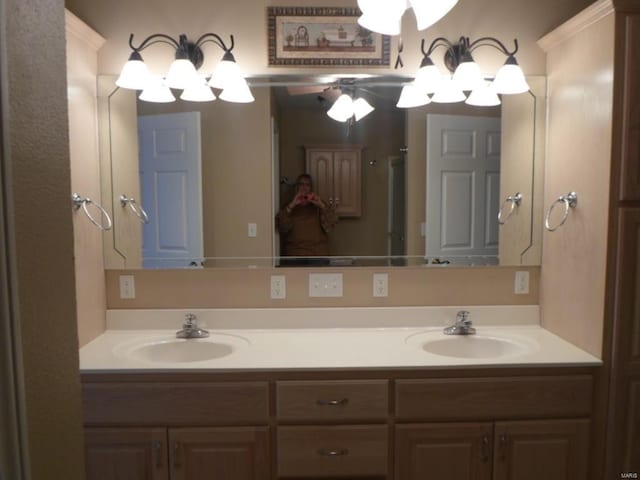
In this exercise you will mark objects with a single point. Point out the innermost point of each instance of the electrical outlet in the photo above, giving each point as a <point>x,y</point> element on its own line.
<point>521,284</point>
<point>278,287</point>
<point>380,285</point>
<point>127,287</point>
<point>325,284</point>
<point>252,230</point>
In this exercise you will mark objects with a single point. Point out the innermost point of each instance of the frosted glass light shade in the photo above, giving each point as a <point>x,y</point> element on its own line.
<point>412,96</point>
<point>198,92</point>
<point>134,75</point>
<point>468,76</point>
<point>342,109</point>
<point>361,108</point>
<point>448,92</point>
<point>227,72</point>
<point>483,96</point>
<point>510,78</point>
<point>428,77</point>
<point>428,12</point>
<point>181,74</point>
<point>157,91</point>
<point>382,16</point>
<point>237,92</point>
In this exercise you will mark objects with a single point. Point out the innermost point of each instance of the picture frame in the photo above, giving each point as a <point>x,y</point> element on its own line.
<point>323,36</point>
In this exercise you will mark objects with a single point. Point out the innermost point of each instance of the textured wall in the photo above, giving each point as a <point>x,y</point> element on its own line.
<point>36,132</point>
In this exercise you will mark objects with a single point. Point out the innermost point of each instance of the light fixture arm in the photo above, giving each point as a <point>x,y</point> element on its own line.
<point>493,42</point>
<point>185,49</point>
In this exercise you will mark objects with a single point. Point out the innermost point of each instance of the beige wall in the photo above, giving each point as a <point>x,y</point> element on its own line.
<point>82,45</point>
<point>116,19</point>
<point>36,193</point>
<point>580,83</point>
<point>246,20</point>
<point>236,288</point>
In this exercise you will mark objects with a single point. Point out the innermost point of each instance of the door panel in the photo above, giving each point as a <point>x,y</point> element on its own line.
<point>463,168</point>
<point>170,172</point>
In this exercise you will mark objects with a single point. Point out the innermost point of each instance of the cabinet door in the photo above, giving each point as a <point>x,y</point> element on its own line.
<point>320,167</point>
<point>240,453</point>
<point>541,449</point>
<point>432,451</point>
<point>126,454</point>
<point>347,194</point>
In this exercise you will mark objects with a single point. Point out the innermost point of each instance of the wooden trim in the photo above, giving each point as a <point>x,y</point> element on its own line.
<point>77,27</point>
<point>579,22</point>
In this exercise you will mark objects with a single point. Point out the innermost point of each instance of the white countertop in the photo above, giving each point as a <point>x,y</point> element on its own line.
<point>392,338</point>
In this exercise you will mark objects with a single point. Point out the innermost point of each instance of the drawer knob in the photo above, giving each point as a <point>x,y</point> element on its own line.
<point>333,452</point>
<point>342,401</point>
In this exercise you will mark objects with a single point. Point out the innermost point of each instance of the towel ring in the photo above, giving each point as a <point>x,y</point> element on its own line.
<point>515,201</point>
<point>78,202</point>
<point>135,207</point>
<point>570,201</point>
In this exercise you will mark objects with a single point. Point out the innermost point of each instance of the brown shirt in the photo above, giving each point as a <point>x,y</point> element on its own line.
<point>304,230</point>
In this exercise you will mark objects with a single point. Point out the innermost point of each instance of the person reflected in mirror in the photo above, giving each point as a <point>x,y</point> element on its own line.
<point>304,225</point>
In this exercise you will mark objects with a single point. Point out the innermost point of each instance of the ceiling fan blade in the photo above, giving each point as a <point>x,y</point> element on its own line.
<point>305,89</point>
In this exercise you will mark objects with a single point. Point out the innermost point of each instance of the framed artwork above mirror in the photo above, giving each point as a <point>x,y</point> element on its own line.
<point>251,155</point>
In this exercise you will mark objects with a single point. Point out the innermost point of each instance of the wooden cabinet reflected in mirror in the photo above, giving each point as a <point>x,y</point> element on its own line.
<point>252,153</point>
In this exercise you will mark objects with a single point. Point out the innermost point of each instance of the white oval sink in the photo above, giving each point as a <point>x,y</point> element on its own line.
<point>181,351</point>
<point>175,350</point>
<point>472,346</point>
<point>478,346</point>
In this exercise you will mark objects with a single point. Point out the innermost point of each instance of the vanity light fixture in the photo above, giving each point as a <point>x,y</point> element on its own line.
<point>346,107</point>
<point>183,75</point>
<point>385,16</point>
<point>466,73</point>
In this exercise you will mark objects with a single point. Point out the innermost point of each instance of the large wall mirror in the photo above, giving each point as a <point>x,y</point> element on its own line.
<point>246,158</point>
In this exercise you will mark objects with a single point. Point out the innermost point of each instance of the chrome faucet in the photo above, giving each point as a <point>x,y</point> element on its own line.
<point>462,325</point>
<point>190,328</point>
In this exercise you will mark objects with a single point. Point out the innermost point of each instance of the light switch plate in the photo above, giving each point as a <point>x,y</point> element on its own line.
<point>325,284</point>
<point>252,230</point>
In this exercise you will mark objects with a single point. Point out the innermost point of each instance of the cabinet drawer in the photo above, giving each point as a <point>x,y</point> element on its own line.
<point>228,403</point>
<point>332,401</point>
<point>332,451</point>
<point>493,398</point>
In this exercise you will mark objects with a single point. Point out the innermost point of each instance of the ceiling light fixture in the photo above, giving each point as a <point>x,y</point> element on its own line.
<point>467,75</point>
<point>182,74</point>
<point>345,108</point>
<point>386,16</point>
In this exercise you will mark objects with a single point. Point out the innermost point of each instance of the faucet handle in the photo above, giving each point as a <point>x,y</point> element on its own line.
<point>462,317</point>
<point>190,319</point>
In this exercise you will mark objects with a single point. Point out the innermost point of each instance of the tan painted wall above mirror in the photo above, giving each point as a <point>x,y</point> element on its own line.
<point>241,181</point>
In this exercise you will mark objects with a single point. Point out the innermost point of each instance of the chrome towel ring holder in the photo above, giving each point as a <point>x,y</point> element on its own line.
<point>79,201</point>
<point>570,200</point>
<point>514,201</point>
<point>135,207</point>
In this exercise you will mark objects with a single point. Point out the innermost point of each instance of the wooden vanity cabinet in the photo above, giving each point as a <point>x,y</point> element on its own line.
<point>160,430</point>
<point>479,424</point>
<point>510,428</point>
<point>332,428</point>
<point>525,450</point>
